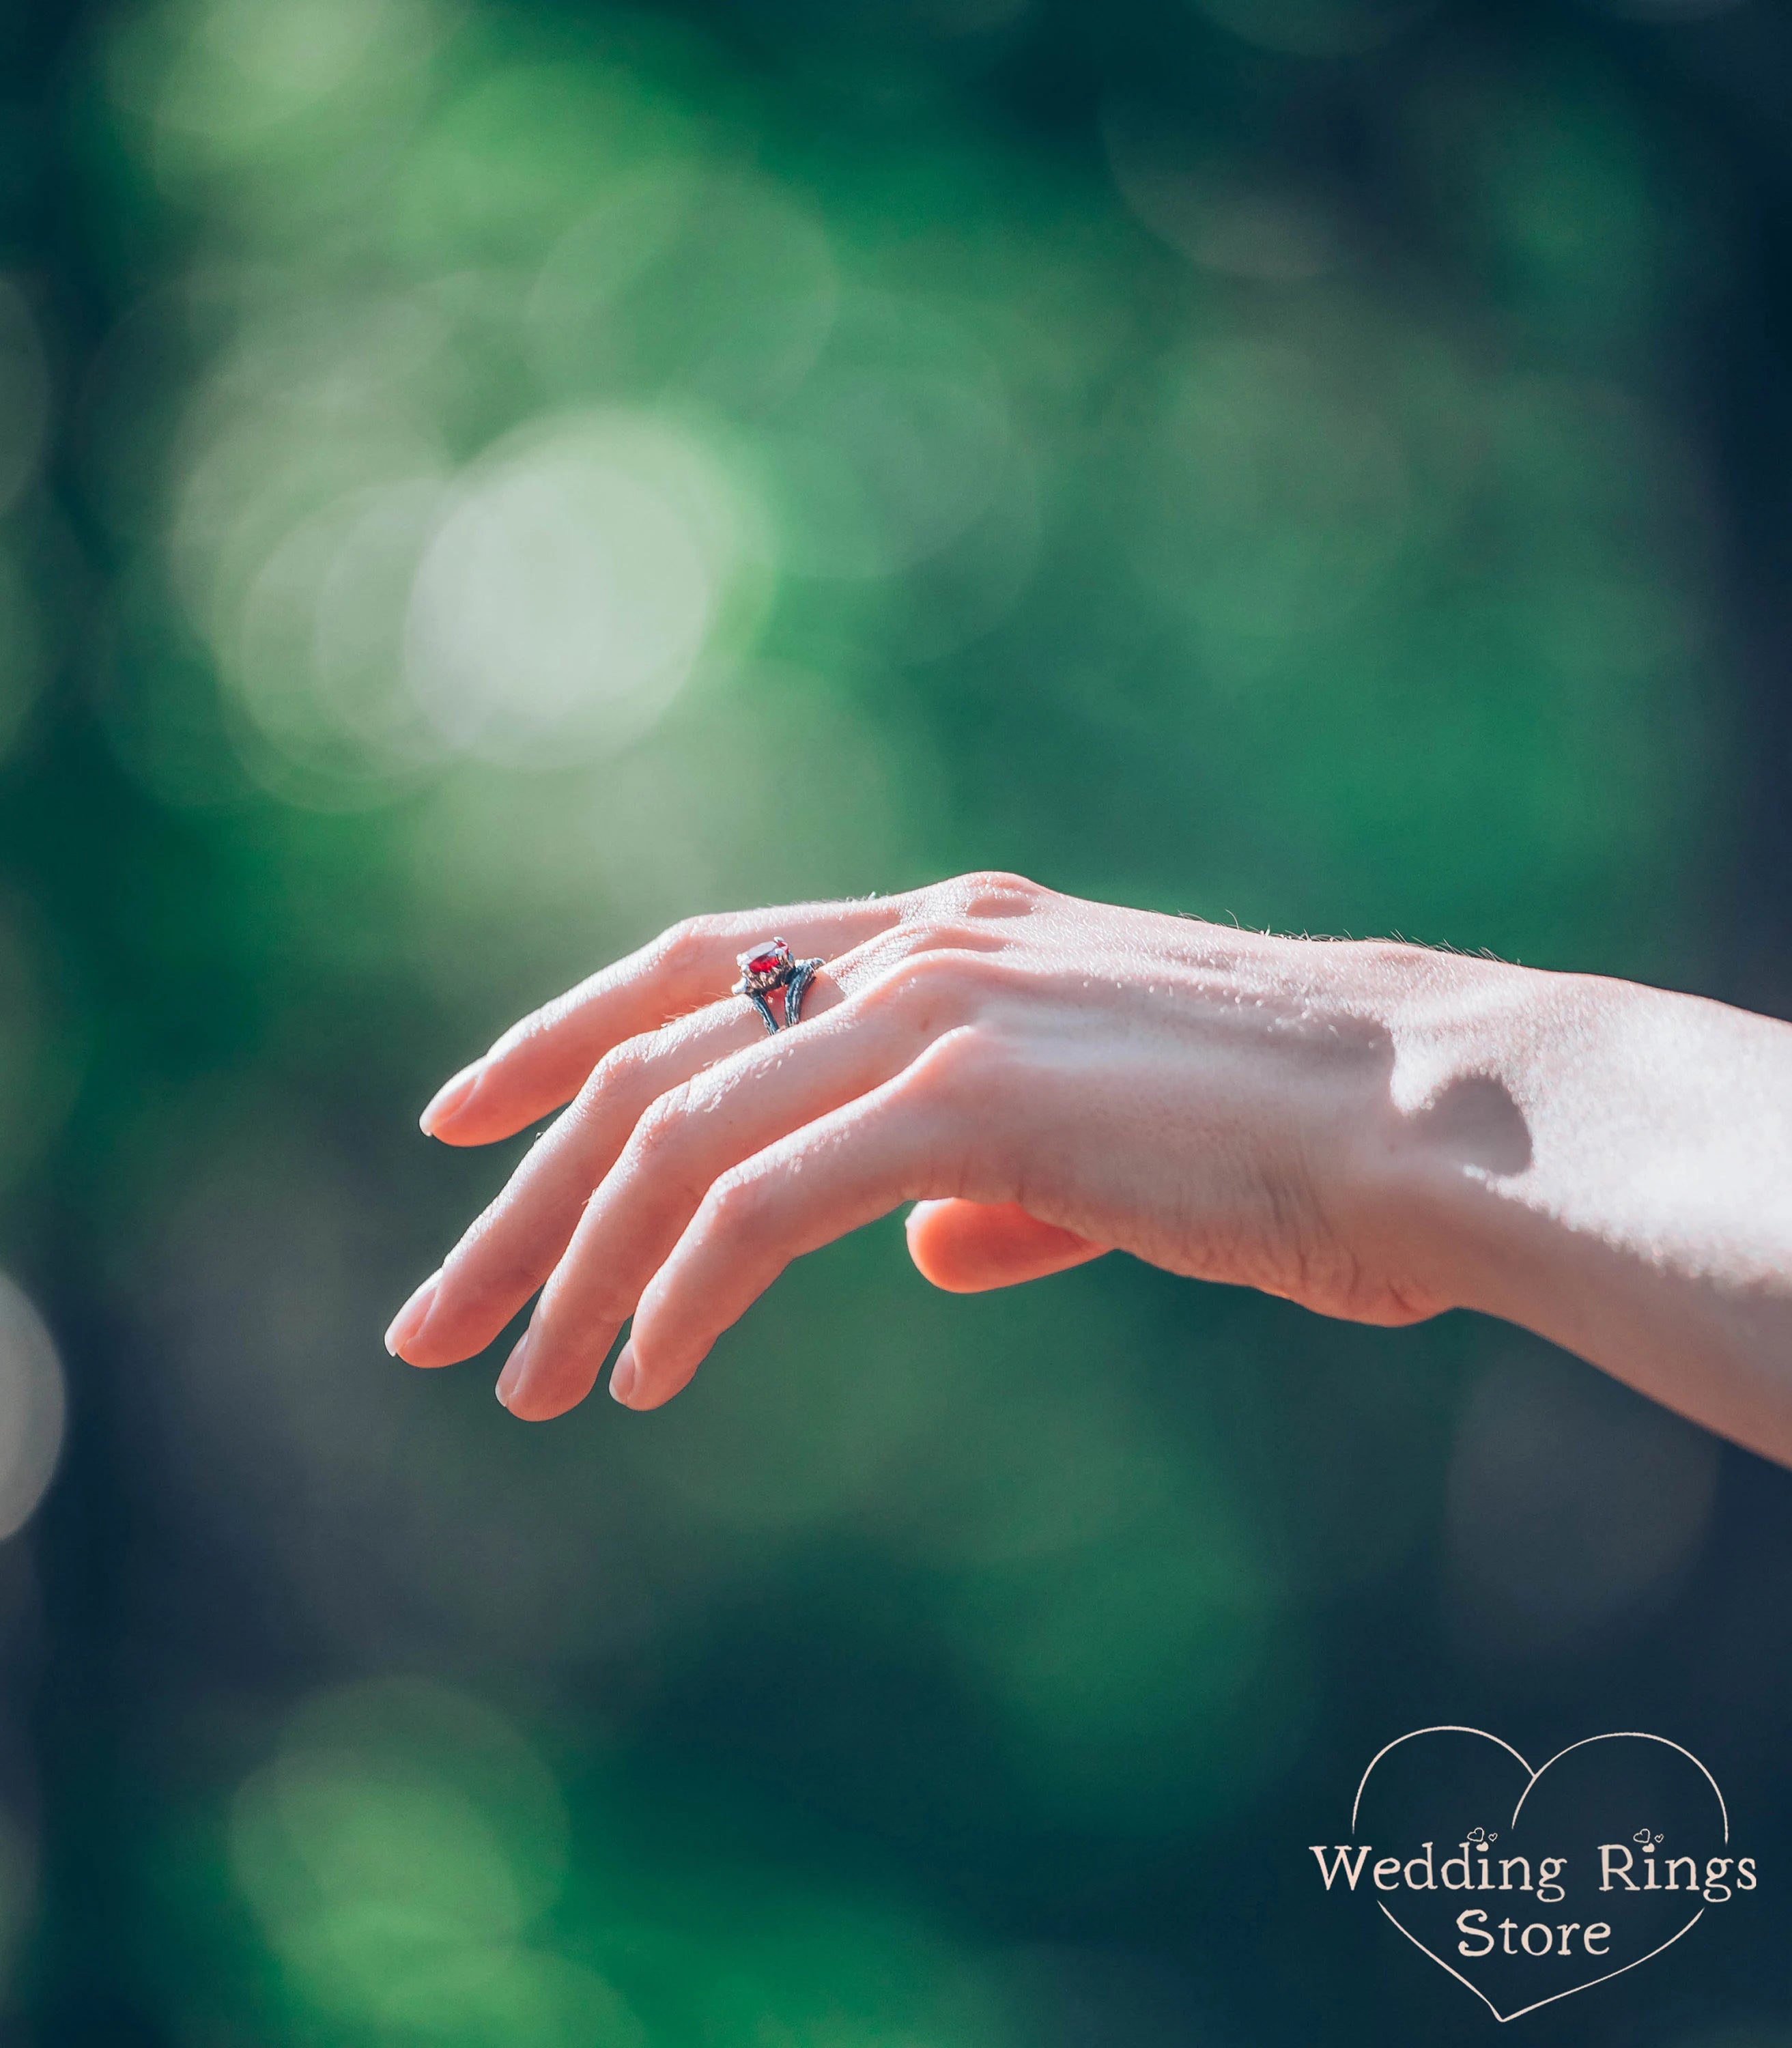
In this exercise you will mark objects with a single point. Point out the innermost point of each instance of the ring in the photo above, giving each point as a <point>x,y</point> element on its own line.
<point>768,966</point>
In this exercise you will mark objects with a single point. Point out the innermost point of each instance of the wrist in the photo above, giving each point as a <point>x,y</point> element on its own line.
<point>1435,1165</point>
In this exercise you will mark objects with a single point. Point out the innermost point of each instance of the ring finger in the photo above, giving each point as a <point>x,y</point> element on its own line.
<point>543,1060</point>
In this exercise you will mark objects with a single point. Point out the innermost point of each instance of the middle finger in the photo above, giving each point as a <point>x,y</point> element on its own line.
<point>675,1155</point>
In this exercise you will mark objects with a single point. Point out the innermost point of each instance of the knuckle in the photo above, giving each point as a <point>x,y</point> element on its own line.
<point>931,988</point>
<point>685,945</point>
<point>660,1124</point>
<point>489,1271</point>
<point>885,949</point>
<point>636,1066</point>
<point>988,893</point>
<point>964,1061</point>
<point>621,1069</point>
<point>869,964</point>
<point>917,973</point>
<point>736,1203</point>
<point>957,935</point>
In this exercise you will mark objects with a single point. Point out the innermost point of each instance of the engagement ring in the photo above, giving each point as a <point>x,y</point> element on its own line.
<point>768,967</point>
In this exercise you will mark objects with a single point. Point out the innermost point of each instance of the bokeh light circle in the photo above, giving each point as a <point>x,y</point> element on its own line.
<point>715,285</point>
<point>899,439</point>
<point>1278,498</point>
<point>397,1851</point>
<point>1222,210</point>
<point>33,1405</point>
<point>319,661</point>
<point>571,588</point>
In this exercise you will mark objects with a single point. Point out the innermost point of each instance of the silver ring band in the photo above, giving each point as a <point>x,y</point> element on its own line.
<point>766,968</point>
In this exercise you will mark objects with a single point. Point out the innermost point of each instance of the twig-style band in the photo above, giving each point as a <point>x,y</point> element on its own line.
<point>768,967</point>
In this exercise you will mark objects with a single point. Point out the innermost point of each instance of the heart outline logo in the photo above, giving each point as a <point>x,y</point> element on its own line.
<point>1532,1777</point>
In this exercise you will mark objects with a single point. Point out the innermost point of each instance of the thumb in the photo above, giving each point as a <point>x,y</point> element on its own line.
<point>967,1248</point>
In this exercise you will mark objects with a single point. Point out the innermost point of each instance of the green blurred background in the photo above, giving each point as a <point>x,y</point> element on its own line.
<point>482,478</point>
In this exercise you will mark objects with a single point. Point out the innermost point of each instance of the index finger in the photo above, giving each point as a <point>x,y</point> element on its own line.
<point>542,1061</point>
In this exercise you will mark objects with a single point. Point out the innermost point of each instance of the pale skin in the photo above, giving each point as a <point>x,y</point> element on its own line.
<point>1377,1131</point>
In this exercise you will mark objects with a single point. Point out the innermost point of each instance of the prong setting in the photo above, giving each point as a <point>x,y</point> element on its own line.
<point>765,967</point>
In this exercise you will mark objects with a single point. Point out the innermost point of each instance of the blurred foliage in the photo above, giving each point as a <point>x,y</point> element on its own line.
<point>482,478</point>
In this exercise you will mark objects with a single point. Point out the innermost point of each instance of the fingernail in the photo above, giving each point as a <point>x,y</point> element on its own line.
<point>450,1098</point>
<point>511,1377</point>
<point>623,1374</point>
<point>414,1314</point>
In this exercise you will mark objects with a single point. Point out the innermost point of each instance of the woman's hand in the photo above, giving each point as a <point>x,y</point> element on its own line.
<point>1376,1131</point>
<point>1048,1077</point>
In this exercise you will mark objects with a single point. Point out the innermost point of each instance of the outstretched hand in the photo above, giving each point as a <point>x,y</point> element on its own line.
<point>1047,1078</point>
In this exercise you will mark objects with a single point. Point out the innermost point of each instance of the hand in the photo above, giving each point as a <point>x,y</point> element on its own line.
<point>1047,1078</point>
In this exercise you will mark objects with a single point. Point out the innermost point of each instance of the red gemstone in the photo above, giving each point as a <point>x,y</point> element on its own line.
<point>770,961</point>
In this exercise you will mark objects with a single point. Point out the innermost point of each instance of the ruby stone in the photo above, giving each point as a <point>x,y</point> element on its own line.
<point>770,961</point>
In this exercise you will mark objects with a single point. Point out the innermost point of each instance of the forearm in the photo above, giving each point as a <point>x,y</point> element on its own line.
<point>1610,1167</point>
